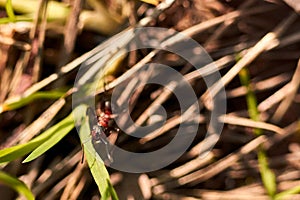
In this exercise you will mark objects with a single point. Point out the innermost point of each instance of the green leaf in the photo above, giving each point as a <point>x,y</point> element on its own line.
<point>17,185</point>
<point>10,11</point>
<point>95,163</point>
<point>112,191</point>
<point>287,193</point>
<point>267,175</point>
<point>15,104</point>
<point>55,10</point>
<point>20,150</point>
<point>63,128</point>
<point>250,98</point>
<point>5,20</point>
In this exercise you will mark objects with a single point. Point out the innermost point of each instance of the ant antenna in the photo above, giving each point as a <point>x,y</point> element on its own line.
<point>104,80</point>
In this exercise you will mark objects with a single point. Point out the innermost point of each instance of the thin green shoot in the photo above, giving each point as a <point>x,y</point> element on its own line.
<point>17,185</point>
<point>10,11</point>
<point>267,175</point>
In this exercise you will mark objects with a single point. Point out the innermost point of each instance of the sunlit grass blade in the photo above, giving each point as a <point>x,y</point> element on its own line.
<point>10,11</point>
<point>250,98</point>
<point>23,18</point>
<point>55,10</point>
<point>12,153</point>
<point>15,104</point>
<point>95,163</point>
<point>287,193</point>
<point>17,185</point>
<point>20,150</point>
<point>65,126</point>
<point>267,176</point>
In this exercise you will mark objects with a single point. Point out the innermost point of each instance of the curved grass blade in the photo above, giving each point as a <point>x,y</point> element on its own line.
<point>12,105</point>
<point>23,18</point>
<point>287,193</point>
<point>10,11</point>
<point>65,126</point>
<point>20,150</point>
<point>95,163</point>
<point>12,153</point>
<point>16,184</point>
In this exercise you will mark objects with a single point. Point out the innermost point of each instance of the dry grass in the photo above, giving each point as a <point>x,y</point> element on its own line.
<point>261,36</point>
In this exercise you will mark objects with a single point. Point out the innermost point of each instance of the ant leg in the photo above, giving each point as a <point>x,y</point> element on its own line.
<point>104,141</point>
<point>108,153</point>
<point>112,139</point>
<point>82,157</point>
<point>104,84</point>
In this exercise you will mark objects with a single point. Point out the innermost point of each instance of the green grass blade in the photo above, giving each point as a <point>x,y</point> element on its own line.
<point>20,18</point>
<point>250,98</point>
<point>20,150</point>
<point>17,185</point>
<point>287,193</point>
<point>268,177</point>
<point>5,20</point>
<point>65,126</point>
<point>112,191</point>
<point>12,153</point>
<point>10,11</point>
<point>95,163</point>
<point>55,10</point>
<point>15,104</point>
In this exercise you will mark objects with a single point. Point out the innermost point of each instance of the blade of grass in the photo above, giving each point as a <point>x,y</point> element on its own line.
<point>65,127</point>
<point>6,20</point>
<point>6,106</point>
<point>16,184</point>
<point>9,11</point>
<point>250,98</point>
<point>287,193</point>
<point>267,175</point>
<point>95,163</point>
<point>20,150</point>
<point>56,10</point>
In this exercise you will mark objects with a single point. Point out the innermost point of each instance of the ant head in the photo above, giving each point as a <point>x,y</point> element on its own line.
<point>107,105</point>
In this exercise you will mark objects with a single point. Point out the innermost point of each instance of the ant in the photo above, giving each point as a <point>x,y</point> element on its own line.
<point>102,127</point>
